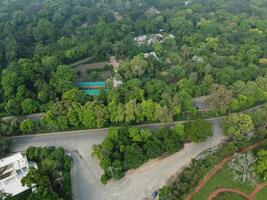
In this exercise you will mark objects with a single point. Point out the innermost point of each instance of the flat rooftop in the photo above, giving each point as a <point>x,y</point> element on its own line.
<point>12,169</point>
<point>10,160</point>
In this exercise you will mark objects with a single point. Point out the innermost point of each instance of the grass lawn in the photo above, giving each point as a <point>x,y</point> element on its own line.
<point>93,72</point>
<point>261,195</point>
<point>229,196</point>
<point>222,179</point>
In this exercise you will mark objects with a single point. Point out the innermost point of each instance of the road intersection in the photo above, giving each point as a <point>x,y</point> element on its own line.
<point>136,184</point>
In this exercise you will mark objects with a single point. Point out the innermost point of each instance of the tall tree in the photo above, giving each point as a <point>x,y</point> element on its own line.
<point>236,125</point>
<point>220,98</point>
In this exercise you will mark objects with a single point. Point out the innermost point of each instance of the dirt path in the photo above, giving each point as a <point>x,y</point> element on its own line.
<point>232,190</point>
<point>257,189</point>
<point>79,62</point>
<point>203,182</point>
<point>34,117</point>
<point>236,191</point>
<point>115,63</point>
<point>202,103</point>
<point>218,167</point>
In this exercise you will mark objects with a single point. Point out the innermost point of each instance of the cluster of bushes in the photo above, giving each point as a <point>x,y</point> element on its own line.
<point>198,130</point>
<point>100,69</point>
<point>5,144</point>
<point>238,124</point>
<point>52,178</point>
<point>239,96</point>
<point>235,125</point>
<point>259,116</point>
<point>127,104</point>
<point>128,148</point>
<point>35,85</point>
<point>201,49</point>
<point>35,45</point>
<point>98,74</point>
<point>247,94</point>
<point>66,115</point>
<point>125,149</point>
<point>242,168</point>
<point>190,177</point>
<point>11,127</point>
<point>8,127</point>
<point>261,164</point>
<point>137,101</point>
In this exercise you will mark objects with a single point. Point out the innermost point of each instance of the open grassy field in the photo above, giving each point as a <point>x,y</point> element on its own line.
<point>229,196</point>
<point>261,195</point>
<point>222,179</point>
<point>93,71</point>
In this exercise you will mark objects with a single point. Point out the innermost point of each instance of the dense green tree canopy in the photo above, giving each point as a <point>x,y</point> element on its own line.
<point>128,148</point>
<point>237,124</point>
<point>52,178</point>
<point>168,53</point>
<point>204,41</point>
<point>261,166</point>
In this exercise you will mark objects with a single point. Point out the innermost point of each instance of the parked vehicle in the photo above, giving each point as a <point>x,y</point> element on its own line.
<point>154,195</point>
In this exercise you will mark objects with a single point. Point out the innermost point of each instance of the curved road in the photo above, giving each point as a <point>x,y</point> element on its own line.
<point>137,184</point>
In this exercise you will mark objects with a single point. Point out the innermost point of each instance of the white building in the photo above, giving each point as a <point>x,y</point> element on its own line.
<point>12,170</point>
<point>148,39</point>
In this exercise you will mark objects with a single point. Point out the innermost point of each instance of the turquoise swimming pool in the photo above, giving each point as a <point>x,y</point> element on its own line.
<point>91,84</point>
<point>91,88</point>
<point>93,91</point>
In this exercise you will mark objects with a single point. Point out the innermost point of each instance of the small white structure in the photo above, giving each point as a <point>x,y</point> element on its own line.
<point>116,83</point>
<point>141,40</point>
<point>12,170</point>
<point>117,16</point>
<point>187,2</point>
<point>148,39</point>
<point>197,59</point>
<point>152,12</point>
<point>151,54</point>
<point>171,36</point>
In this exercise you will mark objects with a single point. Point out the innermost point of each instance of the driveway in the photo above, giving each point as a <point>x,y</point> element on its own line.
<point>137,184</point>
<point>202,103</point>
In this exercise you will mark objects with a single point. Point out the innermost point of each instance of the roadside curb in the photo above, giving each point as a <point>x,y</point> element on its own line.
<point>93,131</point>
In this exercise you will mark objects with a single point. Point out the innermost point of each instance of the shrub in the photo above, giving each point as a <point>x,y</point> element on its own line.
<point>128,148</point>
<point>242,168</point>
<point>189,178</point>
<point>237,124</point>
<point>27,126</point>
<point>198,130</point>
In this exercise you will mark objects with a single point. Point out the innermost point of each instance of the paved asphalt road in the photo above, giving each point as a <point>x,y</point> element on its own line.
<point>136,185</point>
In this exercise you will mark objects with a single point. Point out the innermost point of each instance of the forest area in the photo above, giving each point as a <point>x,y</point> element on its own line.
<point>171,52</point>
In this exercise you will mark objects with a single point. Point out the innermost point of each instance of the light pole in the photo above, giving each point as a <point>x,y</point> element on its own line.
<point>111,171</point>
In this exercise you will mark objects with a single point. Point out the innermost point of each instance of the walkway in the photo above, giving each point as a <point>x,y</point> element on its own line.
<point>137,184</point>
<point>236,191</point>
<point>218,167</point>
